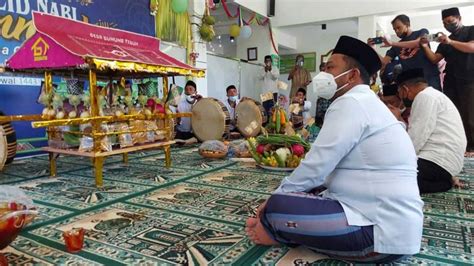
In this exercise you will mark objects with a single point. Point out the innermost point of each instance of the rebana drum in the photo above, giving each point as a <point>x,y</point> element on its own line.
<point>210,120</point>
<point>250,117</point>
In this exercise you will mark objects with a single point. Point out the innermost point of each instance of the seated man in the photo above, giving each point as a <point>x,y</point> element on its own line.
<point>299,109</point>
<point>183,129</point>
<point>437,132</point>
<point>371,211</point>
<point>391,99</point>
<point>232,102</point>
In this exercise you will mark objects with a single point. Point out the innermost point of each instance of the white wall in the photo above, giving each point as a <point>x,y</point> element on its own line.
<point>260,38</point>
<point>311,38</point>
<point>292,12</point>
<point>223,72</point>
<point>259,6</point>
<point>222,45</point>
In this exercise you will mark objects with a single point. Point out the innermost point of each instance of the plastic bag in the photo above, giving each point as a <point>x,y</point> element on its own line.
<point>105,143</point>
<point>151,128</point>
<point>213,146</point>
<point>138,137</point>
<point>241,149</point>
<point>10,194</point>
<point>16,210</point>
<point>125,139</point>
<point>86,145</point>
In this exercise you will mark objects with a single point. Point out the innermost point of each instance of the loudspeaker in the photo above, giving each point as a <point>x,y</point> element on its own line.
<point>271,8</point>
<point>323,26</point>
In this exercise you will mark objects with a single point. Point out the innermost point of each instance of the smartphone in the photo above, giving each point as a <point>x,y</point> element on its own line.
<point>377,40</point>
<point>433,37</point>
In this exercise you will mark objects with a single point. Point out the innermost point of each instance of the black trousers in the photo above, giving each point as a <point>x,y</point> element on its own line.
<point>432,178</point>
<point>183,135</point>
<point>461,93</point>
<point>268,105</point>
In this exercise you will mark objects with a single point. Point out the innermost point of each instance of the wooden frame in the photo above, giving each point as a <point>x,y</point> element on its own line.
<point>252,54</point>
<point>287,62</point>
<point>325,57</point>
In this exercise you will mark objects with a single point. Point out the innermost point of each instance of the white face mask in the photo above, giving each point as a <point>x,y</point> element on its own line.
<point>233,98</point>
<point>324,84</point>
<point>190,98</point>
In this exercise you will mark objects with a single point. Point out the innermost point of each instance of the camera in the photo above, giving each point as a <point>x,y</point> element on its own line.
<point>377,40</point>
<point>433,37</point>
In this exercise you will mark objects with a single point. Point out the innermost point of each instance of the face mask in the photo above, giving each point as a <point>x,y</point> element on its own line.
<point>190,98</point>
<point>452,27</point>
<point>233,98</point>
<point>403,35</point>
<point>325,86</point>
<point>407,102</point>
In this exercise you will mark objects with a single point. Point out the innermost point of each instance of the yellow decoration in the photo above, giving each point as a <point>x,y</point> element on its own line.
<point>234,30</point>
<point>173,27</point>
<point>103,65</point>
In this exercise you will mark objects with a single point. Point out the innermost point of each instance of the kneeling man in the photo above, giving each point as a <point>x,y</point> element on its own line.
<point>371,211</point>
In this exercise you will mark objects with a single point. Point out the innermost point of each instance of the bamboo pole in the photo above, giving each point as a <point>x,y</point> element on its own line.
<point>108,119</point>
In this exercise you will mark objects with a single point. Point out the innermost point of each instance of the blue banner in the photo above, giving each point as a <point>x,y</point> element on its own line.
<point>16,24</point>
<point>18,94</point>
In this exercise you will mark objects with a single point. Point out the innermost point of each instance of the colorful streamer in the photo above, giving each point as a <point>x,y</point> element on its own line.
<point>226,9</point>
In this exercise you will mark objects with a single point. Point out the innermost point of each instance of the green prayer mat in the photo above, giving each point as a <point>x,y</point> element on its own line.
<point>190,214</point>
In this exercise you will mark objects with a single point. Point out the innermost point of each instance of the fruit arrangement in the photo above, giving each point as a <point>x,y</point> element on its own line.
<point>278,121</point>
<point>277,150</point>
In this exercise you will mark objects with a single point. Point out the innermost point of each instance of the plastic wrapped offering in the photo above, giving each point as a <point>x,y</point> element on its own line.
<point>213,149</point>
<point>16,211</point>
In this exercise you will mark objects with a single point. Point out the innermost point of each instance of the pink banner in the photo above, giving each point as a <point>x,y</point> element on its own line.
<point>67,38</point>
<point>40,51</point>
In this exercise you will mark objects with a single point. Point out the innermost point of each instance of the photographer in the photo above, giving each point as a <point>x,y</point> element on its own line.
<point>458,51</point>
<point>408,50</point>
<point>269,75</point>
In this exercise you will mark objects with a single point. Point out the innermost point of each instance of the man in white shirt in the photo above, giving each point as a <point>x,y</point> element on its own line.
<point>183,129</point>
<point>269,75</point>
<point>371,211</point>
<point>232,102</point>
<point>436,130</point>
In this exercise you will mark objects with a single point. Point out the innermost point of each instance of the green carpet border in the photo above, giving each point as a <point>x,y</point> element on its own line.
<point>58,246</point>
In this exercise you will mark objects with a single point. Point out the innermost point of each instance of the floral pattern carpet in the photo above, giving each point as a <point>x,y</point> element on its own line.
<point>190,214</point>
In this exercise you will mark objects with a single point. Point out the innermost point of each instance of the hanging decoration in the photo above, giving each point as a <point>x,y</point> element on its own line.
<point>193,56</point>
<point>226,9</point>
<point>245,32</point>
<point>262,21</point>
<point>275,48</point>
<point>245,29</point>
<point>250,20</point>
<point>206,29</point>
<point>234,30</point>
<point>211,4</point>
<point>179,6</point>
<point>171,26</point>
<point>153,7</point>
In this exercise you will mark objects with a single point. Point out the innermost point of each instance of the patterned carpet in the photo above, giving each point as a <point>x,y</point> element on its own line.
<point>190,214</point>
